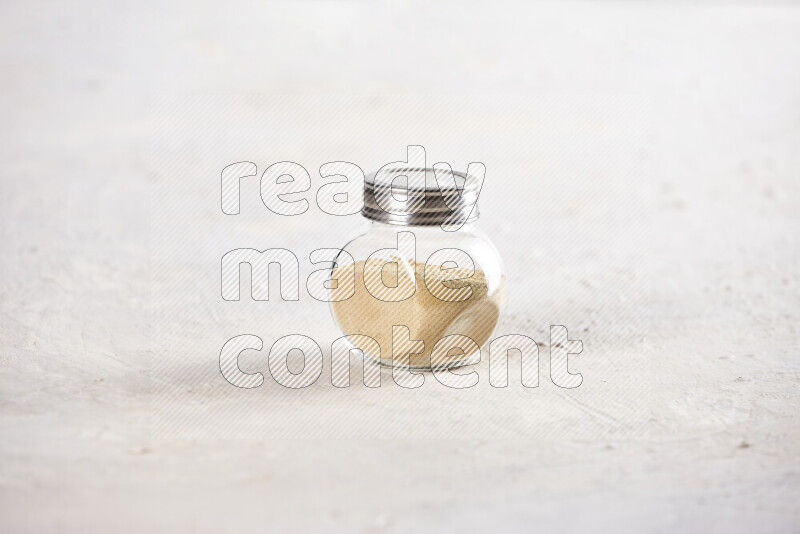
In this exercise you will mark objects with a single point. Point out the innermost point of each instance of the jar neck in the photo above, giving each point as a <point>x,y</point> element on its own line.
<point>465,228</point>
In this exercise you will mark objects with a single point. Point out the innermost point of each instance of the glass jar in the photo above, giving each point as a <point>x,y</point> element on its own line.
<point>422,288</point>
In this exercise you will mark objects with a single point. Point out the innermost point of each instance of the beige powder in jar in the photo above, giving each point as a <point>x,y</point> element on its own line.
<point>428,318</point>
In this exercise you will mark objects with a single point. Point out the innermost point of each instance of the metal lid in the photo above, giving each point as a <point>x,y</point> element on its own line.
<point>419,200</point>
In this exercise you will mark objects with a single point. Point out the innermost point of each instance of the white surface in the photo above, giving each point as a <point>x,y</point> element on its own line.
<point>678,197</point>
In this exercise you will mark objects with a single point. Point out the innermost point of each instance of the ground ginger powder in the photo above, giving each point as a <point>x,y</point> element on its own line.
<point>428,318</point>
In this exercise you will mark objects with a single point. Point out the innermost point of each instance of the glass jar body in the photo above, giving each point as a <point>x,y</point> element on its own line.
<point>427,297</point>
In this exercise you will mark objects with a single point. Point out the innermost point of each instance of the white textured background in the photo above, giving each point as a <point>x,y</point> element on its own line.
<point>643,172</point>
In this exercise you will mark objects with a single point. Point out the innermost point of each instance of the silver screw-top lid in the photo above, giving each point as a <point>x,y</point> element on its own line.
<point>413,197</point>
